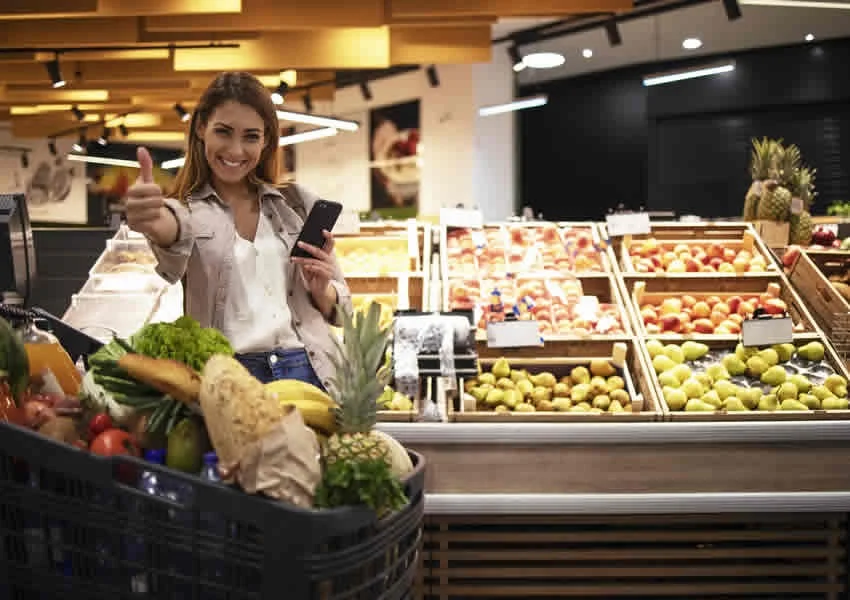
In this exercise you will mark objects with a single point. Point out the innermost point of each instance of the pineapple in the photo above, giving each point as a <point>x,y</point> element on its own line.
<point>802,225</point>
<point>775,203</point>
<point>761,159</point>
<point>801,229</point>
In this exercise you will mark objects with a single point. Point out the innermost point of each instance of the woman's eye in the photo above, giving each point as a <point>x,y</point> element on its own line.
<point>253,138</point>
<point>222,131</point>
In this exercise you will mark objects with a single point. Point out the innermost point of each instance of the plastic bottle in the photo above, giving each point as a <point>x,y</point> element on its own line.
<point>212,569</point>
<point>140,582</point>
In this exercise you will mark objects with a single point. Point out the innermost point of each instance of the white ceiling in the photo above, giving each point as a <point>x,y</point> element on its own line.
<point>659,38</point>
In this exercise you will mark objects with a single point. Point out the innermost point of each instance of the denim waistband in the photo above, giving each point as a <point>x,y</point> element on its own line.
<point>279,352</point>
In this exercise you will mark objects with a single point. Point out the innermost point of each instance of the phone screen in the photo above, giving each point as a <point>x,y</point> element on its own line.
<point>322,216</point>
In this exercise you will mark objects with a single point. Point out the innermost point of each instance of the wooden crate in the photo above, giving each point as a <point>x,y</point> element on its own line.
<point>773,234</point>
<point>809,276</point>
<point>794,556</point>
<point>721,415</point>
<point>408,416</point>
<point>653,291</point>
<point>678,230</point>
<point>623,354</point>
<point>412,287</point>
<point>749,242</point>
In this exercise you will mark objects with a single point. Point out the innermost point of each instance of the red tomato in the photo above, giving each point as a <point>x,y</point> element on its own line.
<point>81,445</point>
<point>99,423</point>
<point>113,442</point>
<point>9,411</point>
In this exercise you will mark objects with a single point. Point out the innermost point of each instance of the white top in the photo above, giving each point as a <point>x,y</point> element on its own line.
<point>256,314</point>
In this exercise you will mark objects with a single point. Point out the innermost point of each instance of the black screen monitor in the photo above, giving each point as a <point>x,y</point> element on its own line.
<point>17,252</point>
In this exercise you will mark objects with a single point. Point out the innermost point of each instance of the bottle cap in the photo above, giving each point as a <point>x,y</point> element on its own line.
<point>210,458</point>
<point>155,456</point>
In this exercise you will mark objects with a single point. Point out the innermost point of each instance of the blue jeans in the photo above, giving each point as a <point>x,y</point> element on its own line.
<point>280,364</point>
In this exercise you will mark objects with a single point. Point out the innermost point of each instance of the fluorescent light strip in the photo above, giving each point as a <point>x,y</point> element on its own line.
<point>689,74</point>
<point>309,119</point>
<point>521,104</point>
<point>102,160</point>
<point>306,136</point>
<point>801,4</point>
<point>173,163</point>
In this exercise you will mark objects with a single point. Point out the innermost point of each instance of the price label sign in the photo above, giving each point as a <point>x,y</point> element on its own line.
<point>461,217</point>
<point>767,332</point>
<point>620,224</point>
<point>348,222</point>
<point>513,334</point>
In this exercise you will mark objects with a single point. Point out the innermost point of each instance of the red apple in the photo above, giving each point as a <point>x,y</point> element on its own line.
<point>775,306</point>
<point>715,262</point>
<point>671,323</point>
<point>734,302</point>
<point>715,250</point>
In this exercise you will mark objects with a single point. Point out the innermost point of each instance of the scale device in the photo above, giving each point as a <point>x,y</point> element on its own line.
<point>17,251</point>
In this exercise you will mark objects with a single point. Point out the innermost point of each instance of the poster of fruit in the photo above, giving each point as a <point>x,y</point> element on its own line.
<point>395,155</point>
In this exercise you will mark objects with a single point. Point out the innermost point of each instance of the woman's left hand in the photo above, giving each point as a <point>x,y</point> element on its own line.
<point>318,271</point>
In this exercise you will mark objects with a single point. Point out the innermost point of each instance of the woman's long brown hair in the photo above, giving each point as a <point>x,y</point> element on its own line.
<point>245,89</point>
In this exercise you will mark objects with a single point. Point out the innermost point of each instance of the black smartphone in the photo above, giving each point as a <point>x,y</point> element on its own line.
<point>322,216</point>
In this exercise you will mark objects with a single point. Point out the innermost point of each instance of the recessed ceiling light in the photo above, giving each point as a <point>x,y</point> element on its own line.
<point>543,60</point>
<point>692,43</point>
<point>809,37</point>
<point>587,53</point>
<point>520,66</point>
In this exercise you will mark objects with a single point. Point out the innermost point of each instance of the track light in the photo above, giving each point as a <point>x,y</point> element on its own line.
<point>123,129</point>
<point>733,10</point>
<point>296,117</point>
<point>51,145</point>
<point>25,160</point>
<point>80,115</point>
<point>54,72</point>
<point>364,89</point>
<point>104,137</point>
<point>308,102</point>
<point>516,58</point>
<point>80,145</point>
<point>433,78</point>
<point>182,112</point>
<point>702,71</point>
<point>280,93</point>
<point>613,33</point>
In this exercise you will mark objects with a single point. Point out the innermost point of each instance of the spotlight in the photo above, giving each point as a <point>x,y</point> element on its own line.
<point>54,72</point>
<point>80,145</point>
<point>613,33</point>
<point>280,93</point>
<point>123,129</point>
<point>365,91</point>
<point>516,58</point>
<point>733,10</point>
<point>587,53</point>
<point>104,138</point>
<point>809,37</point>
<point>308,102</point>
<point>182,112</point>
<point>25,160</point>
<point>51,145</point>
<point>433,78</point>
<point>80,115</point>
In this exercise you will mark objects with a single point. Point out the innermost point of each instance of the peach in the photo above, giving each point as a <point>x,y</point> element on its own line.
<point>680,248</point>
<point>703,326</point>
<point>734,302</point>
<point>702,257</point>
<point>745,254</point>
<point>692,265</point>
<point>741,265</point>
<point>717,317</point>
<point>722,307</point>
<point>668,257</point>
<point>688,301</point>
<point>712,301</point>
<point>708,269</point>
<point>671,323</point>
<point>676,266</point>
<point>702,309</point>
<point>775,306</point>
<point>671,306</point>
<point>722,330</point>
<point>652,328</point>
<point>731,326</point>
<point>745,309</point>
<point>684,318</point>
<point>697,249</point>
<point>715,262</point>
<point>736,318</point>
<point>726,268</point>
<point>729,255</point>
<point>649,315</point>
<point>715,250</point>
<point>683,256</point>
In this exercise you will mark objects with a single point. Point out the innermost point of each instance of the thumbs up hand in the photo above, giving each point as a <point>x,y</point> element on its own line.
<point>144,204</point>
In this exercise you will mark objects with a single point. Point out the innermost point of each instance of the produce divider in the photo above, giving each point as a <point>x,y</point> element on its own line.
<point>811,274</point>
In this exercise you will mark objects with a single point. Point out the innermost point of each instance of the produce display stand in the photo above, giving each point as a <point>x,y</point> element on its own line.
<point>810,276</point>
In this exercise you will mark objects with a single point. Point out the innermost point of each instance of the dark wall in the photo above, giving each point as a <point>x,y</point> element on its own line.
<point>605,139</point>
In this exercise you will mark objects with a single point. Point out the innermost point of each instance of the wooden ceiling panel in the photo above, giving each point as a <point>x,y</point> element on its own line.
<point>408,9</point>
<point>30,9</point>
<point>71,9</point>
<point>136,54</point>
<point>444,45</point>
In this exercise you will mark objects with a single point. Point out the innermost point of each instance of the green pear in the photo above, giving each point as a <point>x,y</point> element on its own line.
<point>725,389</point>
<point>803,384</point>
<point>544,379</point>
<point>615,382</point>
<point>675,398</point>
<point>540,393</point>
<point>695,405</point>
<point>756,366</point>
<point>525,387</point>
<point>821,392</point>
<point>834,381</point>
<point>585,405</point>
<point>518,375</point>
<point>791,404</point>
<point>713,398</point>
<point>717,372</point>
<point>562,404</point>
<point>813,351</point>
<point>479,393</point>
<point>662,363</point>
<point>621,396</point>
<point>775,375</point>
<point>674,353</point>
<point>598,385</point>
<point>833,403</point>
<point>602,367</point>
<point>580,408</point>
<point>602,402</point>
<point>616,407</point>
<point>810,401</point>
<point>734,404</point>
<point>750,397</point>
<point>692,388</point>
<point>768,402</point>
<point>512,398</point>
<point>694,350</point>
<point>669,379</point>
<point>785,351</point>
<point>505,383</point>
<point>501,368</point>
<point>734,365</point>
<point>580,375</point>
<point>841,391</point>
<point>654,347</point>
<point>561,390</point>
<point>786,391</point>
<point>580,392</point>
<point>744,353</point>
<point>770,356</point>
<point>681,372</point>
<point>488,378</point>
<point>705,379</point>
<point>525,407</point>
<point>494,397</point>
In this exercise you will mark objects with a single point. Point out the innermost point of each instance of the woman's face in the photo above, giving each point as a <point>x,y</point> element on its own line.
<point>233,141</point>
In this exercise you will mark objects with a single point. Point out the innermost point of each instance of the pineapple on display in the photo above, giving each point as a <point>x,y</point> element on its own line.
<point>775,202</point>
<point>802,225</point>
<point>362,465</point>
<point>761,160</point>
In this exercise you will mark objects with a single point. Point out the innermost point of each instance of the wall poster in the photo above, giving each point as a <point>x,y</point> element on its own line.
<point>395,159</point>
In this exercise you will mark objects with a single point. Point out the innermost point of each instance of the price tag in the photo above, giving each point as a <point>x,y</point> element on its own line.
<point>348,222</point>
<point>796,206</point>
<point>461,217</point>
<point>628,224</point>
<point>767,332</point>
<point>513,334</point>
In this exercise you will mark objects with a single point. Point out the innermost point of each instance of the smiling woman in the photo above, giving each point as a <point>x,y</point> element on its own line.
<point>228,233</point>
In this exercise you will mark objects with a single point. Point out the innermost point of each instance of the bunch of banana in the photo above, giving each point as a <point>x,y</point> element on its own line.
<point>315,406</point>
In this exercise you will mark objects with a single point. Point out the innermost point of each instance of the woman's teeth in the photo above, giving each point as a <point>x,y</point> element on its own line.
<point>228,163</point>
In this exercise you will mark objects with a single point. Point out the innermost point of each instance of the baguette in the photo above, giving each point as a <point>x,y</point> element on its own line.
<point>168,376</point>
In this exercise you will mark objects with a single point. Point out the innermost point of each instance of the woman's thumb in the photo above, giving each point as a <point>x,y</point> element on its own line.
<point>145,165</point>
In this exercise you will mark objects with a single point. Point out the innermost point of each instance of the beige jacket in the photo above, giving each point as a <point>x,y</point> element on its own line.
<point>203,258</point>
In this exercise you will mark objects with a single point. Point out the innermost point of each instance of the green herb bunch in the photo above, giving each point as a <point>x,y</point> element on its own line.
<point>366,481</point>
